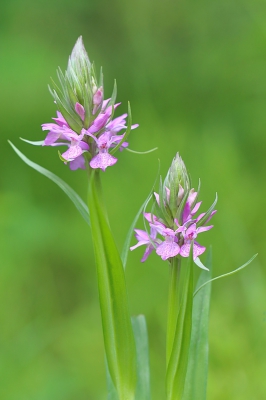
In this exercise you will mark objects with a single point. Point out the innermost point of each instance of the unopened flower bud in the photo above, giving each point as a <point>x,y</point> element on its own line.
<point>79,61</point>
<point>178,183</point>
<point>97,99</point>
<point>78,87</point>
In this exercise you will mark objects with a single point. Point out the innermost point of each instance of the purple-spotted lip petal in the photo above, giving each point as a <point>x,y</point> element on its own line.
<point>72,153</point>
<point>197,250</point>
<point>167,249</point>
<point>102,161</point>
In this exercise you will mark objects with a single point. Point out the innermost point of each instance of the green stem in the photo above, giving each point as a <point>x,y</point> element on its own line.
<point>179,328</point>
<point>173,304</point>
<point>117,329</point>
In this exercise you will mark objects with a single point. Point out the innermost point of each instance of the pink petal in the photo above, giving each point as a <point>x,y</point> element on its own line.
<point>197,250</point>
<point>211,215</point>
<point>142,235</point>
<point>80,110</point>
<point>79,162</point>
<point>186,212</point>
<point>140,243</point>
<point>167,250</point>
<point>51,138</point>
<point>103,160</point>
<point>191,197</point>
<point>147,252</point>
<point>195,209</point>
<point>185,249</point>
<point>151,218</point>
<point>204,228</point>
<point>192,229</point>
<point>72,153</point>
<point>157,197</point>
<point>60,120</point>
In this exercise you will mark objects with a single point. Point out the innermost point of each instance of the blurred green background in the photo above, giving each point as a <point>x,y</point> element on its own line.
<point>194,73</point>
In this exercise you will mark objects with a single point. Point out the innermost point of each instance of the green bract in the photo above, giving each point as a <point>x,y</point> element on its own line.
<point>78,85</point>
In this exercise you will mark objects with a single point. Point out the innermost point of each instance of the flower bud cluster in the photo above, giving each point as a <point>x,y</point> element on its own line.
<point>84,120</point>
<point>175,221</point>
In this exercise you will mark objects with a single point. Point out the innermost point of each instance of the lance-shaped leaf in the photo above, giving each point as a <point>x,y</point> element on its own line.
<point>111,390</point>
<point>143,365</point>
<point>178,361</point>
<point>74,197</point>
<point>197,373</point>
<point>117,329</point>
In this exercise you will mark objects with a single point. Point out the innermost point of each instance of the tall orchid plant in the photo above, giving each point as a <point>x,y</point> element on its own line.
<point>86,126</point>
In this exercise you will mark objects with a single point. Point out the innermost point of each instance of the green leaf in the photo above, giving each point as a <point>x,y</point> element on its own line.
<point>34,143</point>
<point>225,275</point>
<point>114,94</point>
<point>177,365</point>
<point>117,329</point>
<point>143,367</point>
<point>197,373</point>
<point>111,390</point>
<point>142,152</point>
<point>74,197</point>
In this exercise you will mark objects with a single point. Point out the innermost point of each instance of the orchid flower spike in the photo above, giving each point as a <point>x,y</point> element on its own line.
<point>175,221</point>
<point>84,120</point>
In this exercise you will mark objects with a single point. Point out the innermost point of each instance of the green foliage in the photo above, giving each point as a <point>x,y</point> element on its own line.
<point>197,371</point>
<point>195,77</point>
<point>143,362</point>
<point>178,356</point>
<point>117,330</point>
<point>74,197</point>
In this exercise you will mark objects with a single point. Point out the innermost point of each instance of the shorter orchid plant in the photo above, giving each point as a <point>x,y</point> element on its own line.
<point>177,236</point>
<point>85,124</point>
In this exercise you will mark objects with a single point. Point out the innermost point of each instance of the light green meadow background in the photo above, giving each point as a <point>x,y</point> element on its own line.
<point>195,74</point>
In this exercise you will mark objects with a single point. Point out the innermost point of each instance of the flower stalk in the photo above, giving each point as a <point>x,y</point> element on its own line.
<point>179,344</point>
<point>117,330</point>
<point>173,303</point>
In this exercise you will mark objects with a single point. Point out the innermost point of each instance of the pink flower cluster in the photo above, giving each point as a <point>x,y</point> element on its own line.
<point>176,240</point>
<point>96,140</point>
